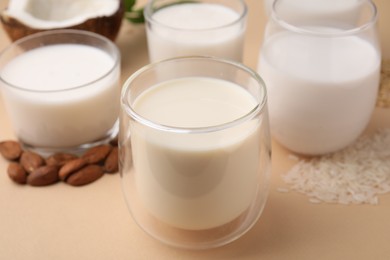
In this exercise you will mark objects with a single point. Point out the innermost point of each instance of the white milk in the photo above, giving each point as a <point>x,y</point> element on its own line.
<point>347,10</point>
<point>321,91</point>
<point>199,180</point>
<point>195,29</point>
<point>64,117</point>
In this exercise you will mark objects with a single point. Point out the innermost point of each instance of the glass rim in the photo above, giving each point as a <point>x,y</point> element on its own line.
<point>148,13</point>
<point>62,32</point>
<point>259,107</point>
<point>285,24</point>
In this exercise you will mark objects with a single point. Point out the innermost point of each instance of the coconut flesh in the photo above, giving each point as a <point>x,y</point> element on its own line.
<point>38,15</point>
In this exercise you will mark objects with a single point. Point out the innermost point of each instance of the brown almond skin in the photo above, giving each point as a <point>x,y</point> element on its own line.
<point>60,159</point>
<point>86,175</point>
<point>111,164</point>
<point>70,167</point>
<point>43,176</point>
<point>97,154</point>
<point>31,161</point>
<point>17,173</point>
<point>11,150</point>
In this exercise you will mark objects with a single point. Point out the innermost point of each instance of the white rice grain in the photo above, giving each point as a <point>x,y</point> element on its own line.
<point>355,175</point>
<point>282,190</point>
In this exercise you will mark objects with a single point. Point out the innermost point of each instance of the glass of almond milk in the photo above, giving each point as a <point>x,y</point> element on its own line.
<point>322,72</point>
<point>61,89</point>
<point>195,150</point>
<point>204,27</point>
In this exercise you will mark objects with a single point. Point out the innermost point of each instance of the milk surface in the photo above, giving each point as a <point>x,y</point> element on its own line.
<point>322,91</point>
<point>55,109</point>
<point>195,29</point>
<point>196,180</point>
<point>340,8</point>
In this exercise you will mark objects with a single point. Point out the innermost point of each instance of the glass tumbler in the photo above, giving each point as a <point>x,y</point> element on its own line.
<point>195,150</point>
<point>202,27</point>
<point>321,63</point>
<point>61,90</point>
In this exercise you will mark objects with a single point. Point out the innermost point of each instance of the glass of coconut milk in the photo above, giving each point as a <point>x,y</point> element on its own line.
<point>61,89</point>
<point>204,27</point>
<point>322,71</point>
<point>195,150</point>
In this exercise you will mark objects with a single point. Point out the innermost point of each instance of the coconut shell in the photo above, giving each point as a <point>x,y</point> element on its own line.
<point>107,26</point>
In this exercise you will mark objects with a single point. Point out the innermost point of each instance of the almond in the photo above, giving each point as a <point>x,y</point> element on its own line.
<point>70,167</point>
<point>97,154</point>
<point>31,161</point>
<point>86,175</point>
<point>60,159</point>
<point>44,175</point>
<point>111,162</point>
<point>17,173</point>
<point>10,150</point>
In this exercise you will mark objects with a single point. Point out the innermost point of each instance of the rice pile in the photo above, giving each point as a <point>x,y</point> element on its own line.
<point>355,175</point>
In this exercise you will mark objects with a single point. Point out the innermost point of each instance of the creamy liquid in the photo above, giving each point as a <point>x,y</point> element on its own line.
<point>196,181</point>
<point>321,91</point>
<point>340,9</point>
<point>65,117</point>
<point>195,29</point>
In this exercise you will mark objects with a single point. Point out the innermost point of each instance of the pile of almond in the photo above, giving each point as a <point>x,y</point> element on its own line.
<point>27,167</point>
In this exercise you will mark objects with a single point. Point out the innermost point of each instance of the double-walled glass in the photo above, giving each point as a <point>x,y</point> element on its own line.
<point>204,27</point>
<point>194,174</point>
<point>61,89</point>
<point>321,62</point>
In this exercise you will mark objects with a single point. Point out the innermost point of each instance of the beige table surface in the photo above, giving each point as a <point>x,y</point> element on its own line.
<point>92,222</point>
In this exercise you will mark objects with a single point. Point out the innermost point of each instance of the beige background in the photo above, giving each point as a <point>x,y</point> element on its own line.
<point>92,222</point>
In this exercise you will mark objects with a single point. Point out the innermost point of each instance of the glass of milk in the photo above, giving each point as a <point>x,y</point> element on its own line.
<point>195,150</point>
<point>61,89</point>
<point>204,27</point>
<point>322,73</point>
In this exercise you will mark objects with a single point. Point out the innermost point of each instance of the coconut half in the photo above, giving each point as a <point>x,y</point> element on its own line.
<point>25,17</point>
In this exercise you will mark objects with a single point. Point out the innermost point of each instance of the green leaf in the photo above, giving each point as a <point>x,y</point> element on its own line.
<point>133,15</point>
<point>136,16</point>
<point>129,4</point>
